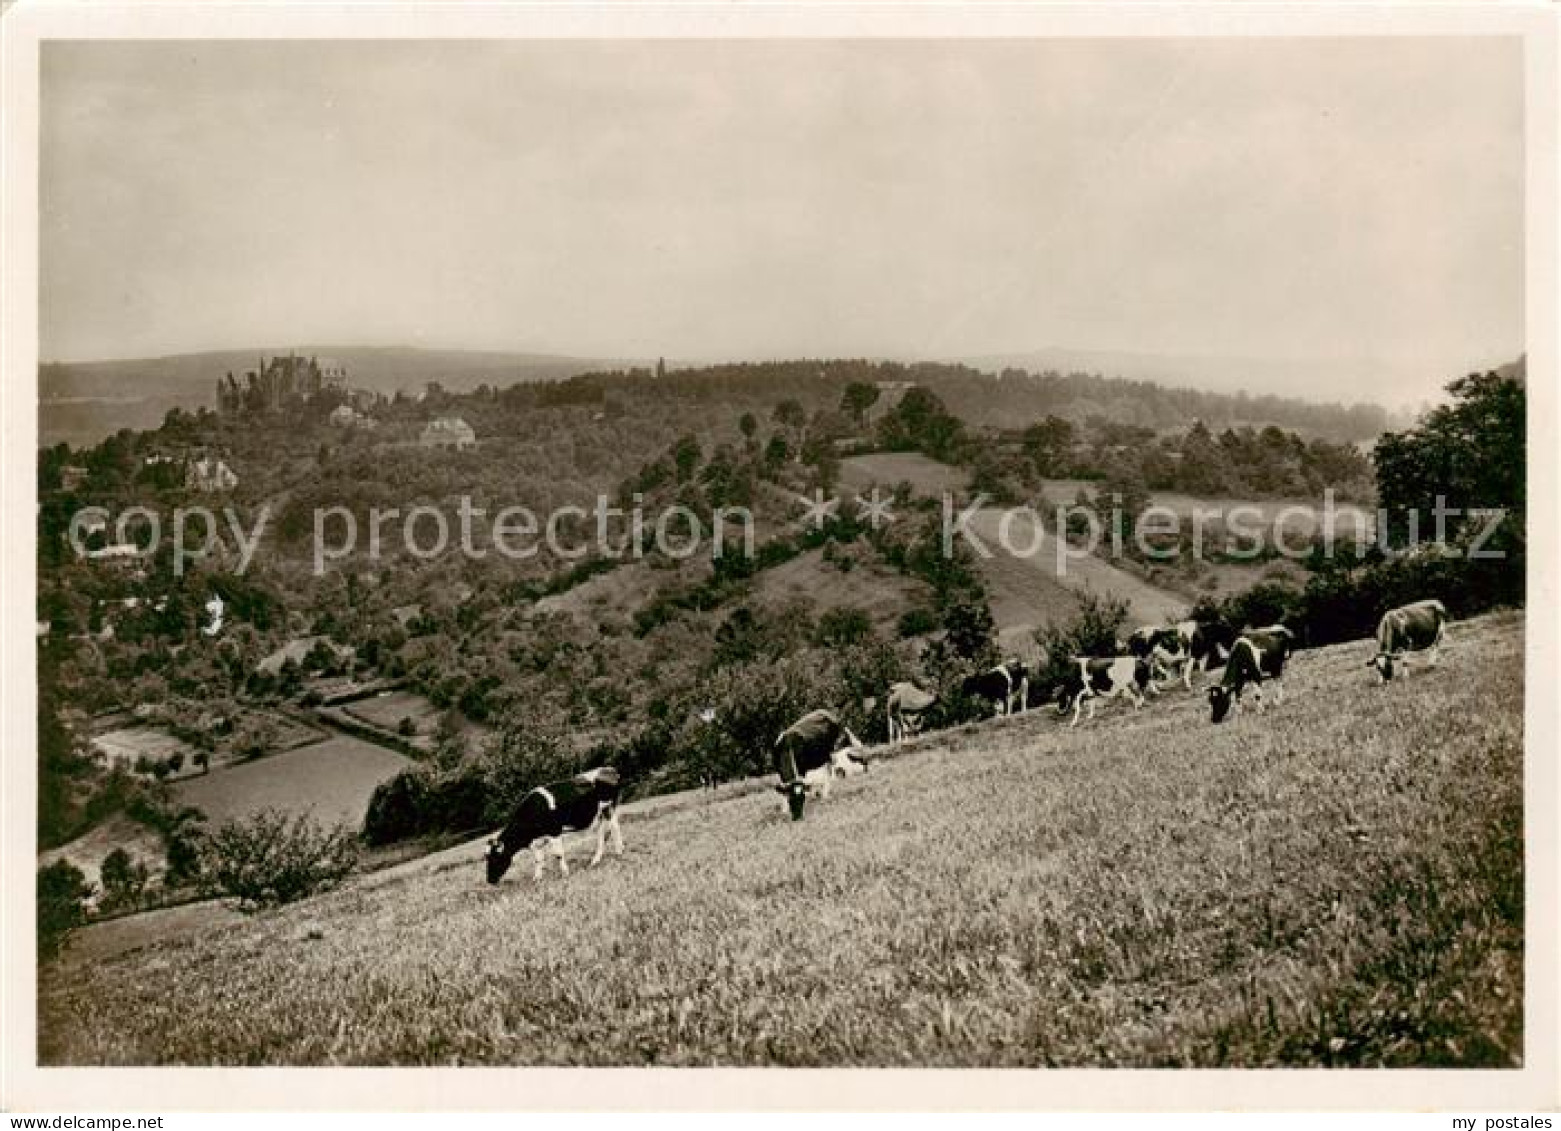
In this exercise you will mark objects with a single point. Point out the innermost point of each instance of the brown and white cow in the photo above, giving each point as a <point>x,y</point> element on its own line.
<point>1420,627</point>
<point>1258,656</point>
<point>809,754</point>
<point>907,708</point>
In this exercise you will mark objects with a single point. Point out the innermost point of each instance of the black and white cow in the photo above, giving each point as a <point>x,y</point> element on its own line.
<point>1145,640</point>
<point>549,811</point>
<point>1420,627</point>
<point>809,754</point>
<point>1258,656</point>
<point>907,708</point>
<point>1205,644</point>
<point>1006,687</point>
<point>1105,677</point>
<point>1164,646</point>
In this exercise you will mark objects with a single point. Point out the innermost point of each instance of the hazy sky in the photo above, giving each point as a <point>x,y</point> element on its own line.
<point>1356,198</point>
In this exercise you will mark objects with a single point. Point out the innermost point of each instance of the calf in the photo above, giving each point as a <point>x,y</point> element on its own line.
<point>908,706</point>
<point>1420,627</point>
<point>1006,687</point>
<point>808,755</point>
<point>548,812</point>
<point>1104,678</point>
<point>1258,655</point>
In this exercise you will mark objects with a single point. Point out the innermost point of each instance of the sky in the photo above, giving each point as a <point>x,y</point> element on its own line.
<point>1279,199</point>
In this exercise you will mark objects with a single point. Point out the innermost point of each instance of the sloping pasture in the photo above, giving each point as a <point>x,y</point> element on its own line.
<point>1338,881</point>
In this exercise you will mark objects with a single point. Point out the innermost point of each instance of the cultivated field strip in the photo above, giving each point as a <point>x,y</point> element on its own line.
<point>1337,882</point>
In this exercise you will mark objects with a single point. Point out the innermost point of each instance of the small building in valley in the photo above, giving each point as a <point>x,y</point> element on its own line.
<point>448,432</point>
<point>209,474</point>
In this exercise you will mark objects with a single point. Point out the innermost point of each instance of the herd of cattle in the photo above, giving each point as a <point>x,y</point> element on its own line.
<point>818,747</point>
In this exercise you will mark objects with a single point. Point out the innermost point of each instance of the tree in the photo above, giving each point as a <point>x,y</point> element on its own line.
<point>969,630</point>
<point>921,423</point>
<point>1049,446</point>
<point>1093,631</point>
<point>776,452</point>
<point>857,399</point>
<point>791,415</point>
<point>62,894</point>
<point>124,880</point>
<point>685,457</point>
<point>1469,453</point>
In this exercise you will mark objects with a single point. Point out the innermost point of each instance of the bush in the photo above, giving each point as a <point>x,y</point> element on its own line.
<point>396,808</point>
<point>1093,632</point>
<point>416,803</point>
<point>62,905</point>
<point>273,858</point>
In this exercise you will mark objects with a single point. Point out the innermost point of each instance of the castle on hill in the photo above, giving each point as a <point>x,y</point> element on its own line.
<point>280,382</point>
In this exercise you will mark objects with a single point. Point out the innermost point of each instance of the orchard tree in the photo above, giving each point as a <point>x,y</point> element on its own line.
<point>857,399</point>
<point>1469,453</point>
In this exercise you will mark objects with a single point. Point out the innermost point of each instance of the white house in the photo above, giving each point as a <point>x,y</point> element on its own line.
<point>448,432</point>
<point>210,474</point>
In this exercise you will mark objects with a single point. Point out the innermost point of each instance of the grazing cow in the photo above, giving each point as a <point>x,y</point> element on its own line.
<point>1006,687</point>
<point>1145,640</point>
<point>1104,677</point>
<point>1259,654</point>
<point>1164,646</point>
<point>1420,627</point>
<point>548,812</point>
<point>907,709</point>
<point>808,755</point>
<point>1205,644</point>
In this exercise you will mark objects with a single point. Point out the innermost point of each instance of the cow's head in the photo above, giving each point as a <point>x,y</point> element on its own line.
<point>1220,702</point>
<point>1384,665</point>
<point>497,860</point>
<point>796,795</point>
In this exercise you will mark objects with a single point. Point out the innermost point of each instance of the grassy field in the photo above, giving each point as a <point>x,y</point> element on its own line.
<point>875,589</point>
<point>926,476</point>
<point>1297,518</point>
<point>1338,882</point>
<point>333,778</point>
<point>126,746</point>
<point>1026,589</point>
<point>387,709</point>
<point>1030,587</point>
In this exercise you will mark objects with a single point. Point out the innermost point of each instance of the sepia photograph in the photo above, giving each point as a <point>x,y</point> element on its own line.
<point>666,544</point>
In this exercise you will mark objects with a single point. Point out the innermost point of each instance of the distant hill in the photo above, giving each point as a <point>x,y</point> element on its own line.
<point>82,402</point>
<point>1343,381</point>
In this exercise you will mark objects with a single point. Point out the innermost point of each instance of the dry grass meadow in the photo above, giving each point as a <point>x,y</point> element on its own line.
<point>333,779</point>
<point>1337,883</point>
